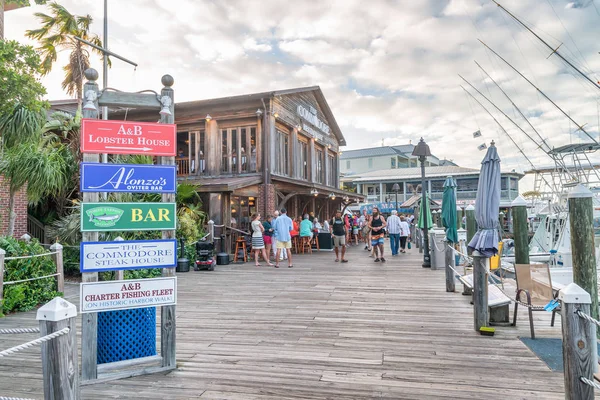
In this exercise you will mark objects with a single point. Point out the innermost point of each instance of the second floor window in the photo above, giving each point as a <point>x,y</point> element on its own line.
<point>319,171</point>
<point>282,155</point>
<point>303,147</point>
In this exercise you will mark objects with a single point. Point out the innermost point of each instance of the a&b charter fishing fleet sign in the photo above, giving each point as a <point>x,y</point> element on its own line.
<point>129,178</point>
<point>130,254</point>
<point>117,295</point>
<point>128,216</point>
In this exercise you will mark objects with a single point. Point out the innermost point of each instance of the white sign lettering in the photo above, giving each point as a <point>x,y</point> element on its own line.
<point>118,295</point>
<point>120,255</point>
<point>311,116</point>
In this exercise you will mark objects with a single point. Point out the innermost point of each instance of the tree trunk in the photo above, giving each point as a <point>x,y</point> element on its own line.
<point>1,19</point>
<point>12,216</point>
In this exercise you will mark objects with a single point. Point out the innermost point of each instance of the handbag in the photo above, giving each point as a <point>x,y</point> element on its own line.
<point>409,246</point>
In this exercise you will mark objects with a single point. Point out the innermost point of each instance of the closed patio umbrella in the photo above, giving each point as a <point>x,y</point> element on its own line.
<point>487,205</point>
<point>449,210</point>
<point>425,220</point>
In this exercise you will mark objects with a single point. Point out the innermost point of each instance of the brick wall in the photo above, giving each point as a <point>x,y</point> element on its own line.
<point>268,206</point>
<point>20,209</point>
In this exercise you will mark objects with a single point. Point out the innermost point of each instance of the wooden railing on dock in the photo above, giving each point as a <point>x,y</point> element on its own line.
<point>36,229</point>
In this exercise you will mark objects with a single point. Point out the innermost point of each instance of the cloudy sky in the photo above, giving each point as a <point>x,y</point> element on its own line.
<point>389,69</point>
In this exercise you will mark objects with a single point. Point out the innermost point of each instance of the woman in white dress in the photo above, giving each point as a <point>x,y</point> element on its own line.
<point>258,243</point>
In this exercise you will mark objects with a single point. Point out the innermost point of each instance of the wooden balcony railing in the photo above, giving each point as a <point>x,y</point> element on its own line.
<point>183,166</point>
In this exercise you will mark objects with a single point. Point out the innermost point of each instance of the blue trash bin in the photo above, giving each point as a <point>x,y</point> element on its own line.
<point>126,334</point>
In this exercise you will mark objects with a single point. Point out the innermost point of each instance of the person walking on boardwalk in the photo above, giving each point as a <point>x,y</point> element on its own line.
<point>282,227</point>
<point>274,239</point>
<point>404,233</point>
<point>377,226</point>
<point>338,230</point>
<point>366,231</point>
<point>393,228</point>
<point>268,235</point>
<point>258,244</point>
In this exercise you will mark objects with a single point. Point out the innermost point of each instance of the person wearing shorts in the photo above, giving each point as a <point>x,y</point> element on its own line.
<point>282,227</point>
<point>377,225</point>
<point>337,228</point>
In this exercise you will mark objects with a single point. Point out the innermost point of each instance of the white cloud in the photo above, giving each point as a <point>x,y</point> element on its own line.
<point>253,45</point>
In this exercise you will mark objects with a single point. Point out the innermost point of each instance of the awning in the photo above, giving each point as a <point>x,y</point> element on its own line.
<point>304,188</point>
<point>222,184</point>
<point>416,198</point>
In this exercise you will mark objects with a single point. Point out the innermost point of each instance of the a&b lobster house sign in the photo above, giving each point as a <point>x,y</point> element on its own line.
<point>128,216</point>
<point>129,178</point>
<point>122,137</point>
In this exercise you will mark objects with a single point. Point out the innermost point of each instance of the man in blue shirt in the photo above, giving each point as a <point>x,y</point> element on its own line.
<point>282,227</point>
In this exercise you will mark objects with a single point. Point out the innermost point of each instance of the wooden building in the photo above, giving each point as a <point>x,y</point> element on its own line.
<point>260,152</point>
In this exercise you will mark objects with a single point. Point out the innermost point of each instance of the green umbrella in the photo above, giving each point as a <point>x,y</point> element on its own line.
<point>449,210</point>
<point>425,214</point>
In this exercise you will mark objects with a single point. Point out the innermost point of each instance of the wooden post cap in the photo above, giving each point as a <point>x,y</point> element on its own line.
<point>57,309</point>
<point>2,252</point>
<point>470,207</point>
<point>580,191</point>
<point>519,201</point>
<point>573,293</point>
<point>56,246</point>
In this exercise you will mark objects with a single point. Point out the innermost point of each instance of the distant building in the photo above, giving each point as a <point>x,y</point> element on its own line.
<point>380,158</point>
<point>377,185</point>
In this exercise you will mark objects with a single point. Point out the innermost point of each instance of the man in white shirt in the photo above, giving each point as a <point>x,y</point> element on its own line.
<point>404,233</point>
<point>393,228</point>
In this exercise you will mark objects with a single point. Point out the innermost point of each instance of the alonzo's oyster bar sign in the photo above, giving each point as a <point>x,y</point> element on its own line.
<point>310,115</point>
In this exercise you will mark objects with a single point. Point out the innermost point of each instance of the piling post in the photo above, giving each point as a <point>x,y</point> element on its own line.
<point>449,263</point>
<point>60,269</point>
<point>480,290</point>
<point>521,230</point>
<point>581,222</point>
<point>471,222</point>
<point>211,231</point>
<point>59,355</point>
<point>2,255</point>
<point>578,342</point>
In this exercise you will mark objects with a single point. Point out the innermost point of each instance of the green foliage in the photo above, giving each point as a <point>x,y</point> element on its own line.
<point>19,71</point>
<point>57,33</point>
<point>21,125</point>
<point>25,3</point>
<point>27,295</point>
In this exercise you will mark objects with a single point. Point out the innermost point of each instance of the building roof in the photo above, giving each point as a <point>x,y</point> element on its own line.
<point>404,150</point>
<point>415,173</point>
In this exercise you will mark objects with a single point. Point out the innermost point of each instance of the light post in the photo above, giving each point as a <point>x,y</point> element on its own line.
<point>395,189</point>
<point>421,150</point>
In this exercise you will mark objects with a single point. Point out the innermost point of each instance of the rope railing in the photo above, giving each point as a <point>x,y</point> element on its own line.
<point>31,279</point>
<point>31,256</point>
<point>35,342</point>
<point>18,330</point>
<point>13,398</point>
<point>589,382</point>
<point>589,318</point>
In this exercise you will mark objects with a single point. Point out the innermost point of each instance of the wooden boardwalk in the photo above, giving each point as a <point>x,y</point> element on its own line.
<point>321,330</point>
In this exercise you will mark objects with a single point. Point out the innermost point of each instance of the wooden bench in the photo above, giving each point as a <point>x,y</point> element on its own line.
<point>498,302</point>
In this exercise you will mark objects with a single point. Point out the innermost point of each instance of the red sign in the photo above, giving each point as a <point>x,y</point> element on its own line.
<point>123,137</point>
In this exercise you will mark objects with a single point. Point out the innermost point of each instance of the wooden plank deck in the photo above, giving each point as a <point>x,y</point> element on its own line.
<point>321,330</point>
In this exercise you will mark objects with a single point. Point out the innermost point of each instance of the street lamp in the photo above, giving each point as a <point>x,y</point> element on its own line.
<point>421,150</point>
<point>395,189</point>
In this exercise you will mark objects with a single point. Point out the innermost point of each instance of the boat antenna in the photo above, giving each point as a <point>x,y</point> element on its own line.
<point>579,127</point>
<point>503,130</point>
<point>555,159</point>
<point>548,148</point>
<point>554,50</point>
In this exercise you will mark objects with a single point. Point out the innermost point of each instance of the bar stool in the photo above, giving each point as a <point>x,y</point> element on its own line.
<point>305,244</point>
<point>240,244</point>
<point>295,240</point>
<point>315,240</point>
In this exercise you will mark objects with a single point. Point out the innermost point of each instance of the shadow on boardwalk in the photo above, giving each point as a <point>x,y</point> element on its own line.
<point>322,330</point>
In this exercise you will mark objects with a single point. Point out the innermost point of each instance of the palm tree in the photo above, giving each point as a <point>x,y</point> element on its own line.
<point>58,33</point>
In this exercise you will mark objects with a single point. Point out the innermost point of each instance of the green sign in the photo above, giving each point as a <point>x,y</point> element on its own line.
<point>128,216</point>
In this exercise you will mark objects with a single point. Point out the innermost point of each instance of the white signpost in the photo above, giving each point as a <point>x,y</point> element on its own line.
<point>132,254</point>
<point>117,295</point>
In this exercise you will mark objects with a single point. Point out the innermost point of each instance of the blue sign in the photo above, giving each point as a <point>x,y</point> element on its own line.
<point>129,178</point>
<point>127,254</point>
<point>385,208</point>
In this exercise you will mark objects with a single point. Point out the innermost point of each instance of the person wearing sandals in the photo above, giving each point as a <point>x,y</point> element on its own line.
<point>258,243</point>
<point>404,233</point>
<point>282,228</point>
<point>377,225</point>
<point>337,228</point>
<point>268,235</point>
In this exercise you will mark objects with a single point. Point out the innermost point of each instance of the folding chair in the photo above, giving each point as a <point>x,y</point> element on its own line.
<point>534,281</point>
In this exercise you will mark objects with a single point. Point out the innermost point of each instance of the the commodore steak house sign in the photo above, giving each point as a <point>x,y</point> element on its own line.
<point>128,254</point>
<point>117,295</point>
<point>122,137</point>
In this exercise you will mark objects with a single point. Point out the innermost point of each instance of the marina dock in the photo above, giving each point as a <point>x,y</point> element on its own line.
<point>321,330</point>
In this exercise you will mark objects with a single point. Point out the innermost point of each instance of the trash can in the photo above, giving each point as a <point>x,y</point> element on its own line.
<point>183,264</point>
<point>438,248</point>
